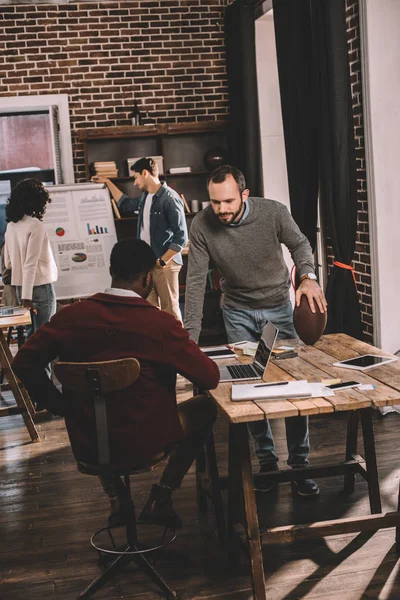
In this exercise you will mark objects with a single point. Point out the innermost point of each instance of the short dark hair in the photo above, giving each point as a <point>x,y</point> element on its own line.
<point>221,173</point>
<point>29,197</point>
<point>144,163</point>
<point>130,259</point>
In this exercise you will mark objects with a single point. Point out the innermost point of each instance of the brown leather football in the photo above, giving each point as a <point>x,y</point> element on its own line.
<point>309,326</point>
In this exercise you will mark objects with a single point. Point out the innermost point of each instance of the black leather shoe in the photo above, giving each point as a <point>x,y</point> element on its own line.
<point>264,484</point>
<point>158,509</point>
<point>306,487</point>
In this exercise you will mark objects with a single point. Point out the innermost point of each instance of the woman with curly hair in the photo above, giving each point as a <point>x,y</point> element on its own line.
<point>27,250</point>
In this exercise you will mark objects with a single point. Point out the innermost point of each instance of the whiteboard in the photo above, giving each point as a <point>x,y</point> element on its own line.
<point>81,229</point>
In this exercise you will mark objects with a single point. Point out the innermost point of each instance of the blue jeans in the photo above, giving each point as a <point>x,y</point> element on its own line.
<point>247,324</point>
<point>44,301</point>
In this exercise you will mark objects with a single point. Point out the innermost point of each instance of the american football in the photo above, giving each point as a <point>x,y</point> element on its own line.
<point>309,326</point>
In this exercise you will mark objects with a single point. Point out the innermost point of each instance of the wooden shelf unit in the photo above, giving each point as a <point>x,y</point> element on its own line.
<point>181,144</point>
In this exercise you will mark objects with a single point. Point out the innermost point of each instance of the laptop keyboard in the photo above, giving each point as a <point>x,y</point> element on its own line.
<point>243,372</point>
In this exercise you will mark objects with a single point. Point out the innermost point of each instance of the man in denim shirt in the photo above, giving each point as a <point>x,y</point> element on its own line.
<point>162,224</point>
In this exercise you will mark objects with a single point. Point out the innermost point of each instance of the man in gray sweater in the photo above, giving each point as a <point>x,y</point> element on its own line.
<point>243,236</point>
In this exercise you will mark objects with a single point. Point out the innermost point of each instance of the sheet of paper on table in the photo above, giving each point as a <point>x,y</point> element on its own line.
<point>292,390</point>
<point>243,345</point>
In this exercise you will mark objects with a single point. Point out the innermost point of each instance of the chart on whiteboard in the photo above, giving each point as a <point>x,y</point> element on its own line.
<point>80,225</point>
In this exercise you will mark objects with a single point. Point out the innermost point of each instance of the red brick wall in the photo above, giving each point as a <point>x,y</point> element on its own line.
<point>167,54</point>
<point>362,256</point>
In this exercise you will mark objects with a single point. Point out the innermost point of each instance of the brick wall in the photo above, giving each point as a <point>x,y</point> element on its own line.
<point>167,54</point>
<point>362,256</point>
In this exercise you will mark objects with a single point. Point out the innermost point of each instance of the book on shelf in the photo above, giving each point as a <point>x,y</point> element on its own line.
<point>105,169</point>
<point>178,170</point>
<point>214,279</point>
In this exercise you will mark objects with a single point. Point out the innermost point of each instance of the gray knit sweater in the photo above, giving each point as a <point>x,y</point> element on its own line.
<point>248,256</point>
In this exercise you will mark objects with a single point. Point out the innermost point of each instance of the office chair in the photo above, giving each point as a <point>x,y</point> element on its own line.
<point>98,381</point>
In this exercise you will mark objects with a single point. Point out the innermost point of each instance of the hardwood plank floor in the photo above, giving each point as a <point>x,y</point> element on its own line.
<point>48,511</point>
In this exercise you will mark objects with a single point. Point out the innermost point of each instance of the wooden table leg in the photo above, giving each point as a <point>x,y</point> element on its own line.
<point>351,449</point>
<point>200,491</point>
<point>370,460</point>
<point>239,461</point>
<point>215,488</point>
<point>234,498</point>
<point>201,467</point>
<point>6,361</point>
<point>398,527</point>
<point>21,397</point>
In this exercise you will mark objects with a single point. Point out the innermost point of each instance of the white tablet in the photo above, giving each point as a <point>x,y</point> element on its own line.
<point>362,363</point>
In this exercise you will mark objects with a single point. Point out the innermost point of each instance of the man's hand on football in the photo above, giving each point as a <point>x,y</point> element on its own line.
<point>314,293</point>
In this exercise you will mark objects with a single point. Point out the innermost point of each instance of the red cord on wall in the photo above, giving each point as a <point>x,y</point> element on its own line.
<point>347,267</point>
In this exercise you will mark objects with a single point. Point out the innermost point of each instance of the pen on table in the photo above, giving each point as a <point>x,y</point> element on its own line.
<point>268,384</point>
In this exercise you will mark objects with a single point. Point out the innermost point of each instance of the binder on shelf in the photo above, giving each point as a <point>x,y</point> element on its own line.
<point>185,203</point>
<point>178,170</point>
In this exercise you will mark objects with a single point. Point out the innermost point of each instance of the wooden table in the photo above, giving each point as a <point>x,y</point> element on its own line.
<point>24,404</point>
<point>314,364</point>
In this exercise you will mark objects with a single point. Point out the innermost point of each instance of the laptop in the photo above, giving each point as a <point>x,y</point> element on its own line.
<point>258,367</point>
<point>12,311</point>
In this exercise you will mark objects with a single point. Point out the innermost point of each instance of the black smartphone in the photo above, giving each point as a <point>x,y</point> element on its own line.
<point>283,355</point>
<point>343,385</point>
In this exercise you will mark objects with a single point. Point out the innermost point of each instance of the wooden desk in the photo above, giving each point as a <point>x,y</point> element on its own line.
<point>24,404</point>
<point>314,364</point>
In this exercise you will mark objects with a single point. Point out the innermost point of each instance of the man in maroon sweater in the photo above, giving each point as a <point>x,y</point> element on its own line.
<point>144,419</point>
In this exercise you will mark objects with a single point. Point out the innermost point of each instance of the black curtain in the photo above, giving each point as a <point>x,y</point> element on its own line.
<point>299,101</point>
<point>244,127</point>
<point>319,137</point>
<point>337,163</point>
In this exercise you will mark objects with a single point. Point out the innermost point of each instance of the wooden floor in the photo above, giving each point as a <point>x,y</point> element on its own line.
<point>48,511</point>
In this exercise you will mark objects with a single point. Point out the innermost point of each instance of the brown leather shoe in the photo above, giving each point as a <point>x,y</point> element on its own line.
<point>158,509</point>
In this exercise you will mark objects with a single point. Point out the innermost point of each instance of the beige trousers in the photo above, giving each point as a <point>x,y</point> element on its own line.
<point>165,292</point>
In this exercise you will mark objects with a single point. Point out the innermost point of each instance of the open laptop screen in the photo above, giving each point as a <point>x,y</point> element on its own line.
<point>265,346</point>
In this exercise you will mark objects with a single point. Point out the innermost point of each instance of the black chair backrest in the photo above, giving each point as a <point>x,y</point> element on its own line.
<point>96,380</point>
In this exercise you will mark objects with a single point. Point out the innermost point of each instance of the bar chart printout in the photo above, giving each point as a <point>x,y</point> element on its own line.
<point>96,229</point>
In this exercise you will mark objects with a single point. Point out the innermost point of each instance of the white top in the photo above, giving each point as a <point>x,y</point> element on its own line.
<point>121,292</point>
<point>145,230</point>
<point>28,254</point>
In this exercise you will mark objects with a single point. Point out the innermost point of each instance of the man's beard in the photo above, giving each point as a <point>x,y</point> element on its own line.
<point>234,216</point>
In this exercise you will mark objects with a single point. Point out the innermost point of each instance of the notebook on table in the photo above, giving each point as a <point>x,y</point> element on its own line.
<point>12,311</point>
<point>291,389</point>
<point>215,352</point>
<point>258,367</point>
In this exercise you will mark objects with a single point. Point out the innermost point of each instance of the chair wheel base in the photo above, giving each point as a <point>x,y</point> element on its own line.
<point>112,561</point>
<point>140,549</point>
